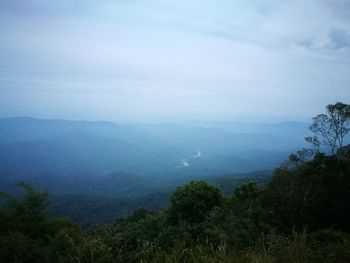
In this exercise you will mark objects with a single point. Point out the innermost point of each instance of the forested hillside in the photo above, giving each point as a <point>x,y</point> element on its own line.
<point>93,209</point>
<point>111,169</point>
<point>301,215</point>
<point>45,151</point>
<point>300,212</point>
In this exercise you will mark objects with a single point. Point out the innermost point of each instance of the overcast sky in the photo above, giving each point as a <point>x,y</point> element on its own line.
<point>158,59</point>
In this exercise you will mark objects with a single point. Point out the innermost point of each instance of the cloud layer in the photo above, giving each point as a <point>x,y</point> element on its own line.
<point>140,59</point>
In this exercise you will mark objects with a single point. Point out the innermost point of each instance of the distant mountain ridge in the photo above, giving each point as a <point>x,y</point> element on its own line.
<point>47,150</point>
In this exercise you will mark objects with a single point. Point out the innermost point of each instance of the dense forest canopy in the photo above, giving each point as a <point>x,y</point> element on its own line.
<point>99,171</point>
<point>301,215</point>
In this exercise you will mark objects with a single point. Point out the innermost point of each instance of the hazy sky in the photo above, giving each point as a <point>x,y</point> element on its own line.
<point>149,59</point>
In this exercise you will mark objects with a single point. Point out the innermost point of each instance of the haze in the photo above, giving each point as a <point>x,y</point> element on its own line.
<point>148,60</point>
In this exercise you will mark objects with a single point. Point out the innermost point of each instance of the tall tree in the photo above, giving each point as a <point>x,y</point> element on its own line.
<point>330,129</point>
<point>193,202</point>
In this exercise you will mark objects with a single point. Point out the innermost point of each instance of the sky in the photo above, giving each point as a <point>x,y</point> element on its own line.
<point>135,60</point>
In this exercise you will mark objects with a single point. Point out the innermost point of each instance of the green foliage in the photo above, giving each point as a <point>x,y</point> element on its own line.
<point>193,202</point>
<point>331,128</point>
<point>28,234</point>
<point>228,184</point>
<point>26,214</point>
<point>301,215</point>
<point>316,194</point>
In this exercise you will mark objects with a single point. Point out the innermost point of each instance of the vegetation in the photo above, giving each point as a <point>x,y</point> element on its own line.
<point>88,210</point>
<point>301,215</point>
<point>331,128</point>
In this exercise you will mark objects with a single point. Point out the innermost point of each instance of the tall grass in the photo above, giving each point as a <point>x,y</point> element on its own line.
<point>273,248</point>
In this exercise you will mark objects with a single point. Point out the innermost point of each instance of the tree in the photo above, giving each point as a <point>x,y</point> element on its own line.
<point>331,128</point>
<point>26,214</point>
<point>315,194</point>
<point>193,202</point>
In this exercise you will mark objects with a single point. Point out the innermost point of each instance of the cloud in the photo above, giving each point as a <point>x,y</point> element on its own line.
<point>44,8</point>
<point>173,56</point>
<point>339,38</point>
